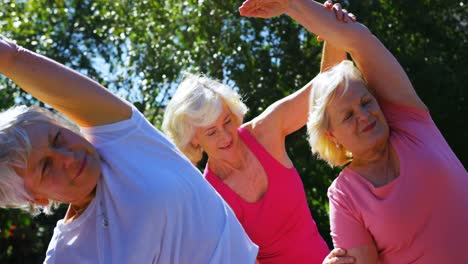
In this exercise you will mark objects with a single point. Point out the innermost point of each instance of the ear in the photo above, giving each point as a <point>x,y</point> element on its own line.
<point>331,137</point>
<point>195,142</point>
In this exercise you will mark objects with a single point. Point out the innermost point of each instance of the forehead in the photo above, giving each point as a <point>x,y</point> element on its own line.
<point>346,95</point>
<point>225,112</point>
<point>39,132</point>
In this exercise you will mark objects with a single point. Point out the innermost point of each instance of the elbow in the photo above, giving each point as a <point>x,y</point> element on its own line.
<point>359,37</point>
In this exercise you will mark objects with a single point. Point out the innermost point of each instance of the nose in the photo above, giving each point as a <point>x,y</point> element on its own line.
<point>363,114</point>
<point>64,156</point>
<point>225,135</point>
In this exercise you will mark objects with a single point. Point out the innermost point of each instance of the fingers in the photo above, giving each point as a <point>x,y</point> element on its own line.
<point>341,14</point>
<point>247,8</point>
<point>340,260</point>
<point>337,252</point>
<point>328,4</point>
<point>338,11</point>
<point>338,256</point>
<point>345,16</point>
<point>263,8</point>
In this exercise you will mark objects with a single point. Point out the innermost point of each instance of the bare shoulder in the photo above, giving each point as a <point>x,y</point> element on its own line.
<point>274,143</point>
<point>259,128</point>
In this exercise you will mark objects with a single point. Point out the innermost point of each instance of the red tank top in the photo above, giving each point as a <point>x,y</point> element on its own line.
<point>280,223</point>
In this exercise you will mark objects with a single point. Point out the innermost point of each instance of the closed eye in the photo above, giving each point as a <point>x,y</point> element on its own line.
<point>45,165</point>
<point>211,132</point>
<point>365,102</point>
<point>348,116</point>
<point>56,141</point>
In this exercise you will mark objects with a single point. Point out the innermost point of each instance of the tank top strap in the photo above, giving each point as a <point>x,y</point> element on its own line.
<point>257,149</point>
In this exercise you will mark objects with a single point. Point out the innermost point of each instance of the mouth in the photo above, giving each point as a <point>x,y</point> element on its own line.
<point>227,146</point>
<point>369,127</point>
<point>82,166</point>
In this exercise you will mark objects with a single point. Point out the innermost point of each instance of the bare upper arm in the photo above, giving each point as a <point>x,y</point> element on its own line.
<point>381,69</point>
<point>83,100</point>
<point>383,72</point>
<point>285,115</point>
<point>290,113</point>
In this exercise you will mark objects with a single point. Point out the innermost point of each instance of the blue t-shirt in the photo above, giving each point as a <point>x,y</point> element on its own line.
<point>151,206</point>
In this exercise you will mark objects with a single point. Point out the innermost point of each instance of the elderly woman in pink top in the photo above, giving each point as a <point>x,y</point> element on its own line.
<point>248,164</point>
<point>402,196</point>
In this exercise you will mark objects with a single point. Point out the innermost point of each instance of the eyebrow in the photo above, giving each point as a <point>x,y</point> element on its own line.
<point>210,128</point>
<point>228,115</point>
<point>341,111</point>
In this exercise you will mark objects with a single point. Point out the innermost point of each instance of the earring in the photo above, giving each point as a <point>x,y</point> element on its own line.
<point>337,145</point>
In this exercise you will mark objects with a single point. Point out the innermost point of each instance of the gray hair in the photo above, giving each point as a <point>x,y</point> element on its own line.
<point>15,148</point>
<point>198,102</point>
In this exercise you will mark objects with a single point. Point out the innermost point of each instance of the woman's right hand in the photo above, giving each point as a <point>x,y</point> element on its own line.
<point>264,8</point>
<point>338,256</point>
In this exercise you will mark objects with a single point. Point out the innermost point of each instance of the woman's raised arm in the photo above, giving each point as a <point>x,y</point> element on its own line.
<point>380,68</point>
<point>290,113</point>
<point>83,100</point>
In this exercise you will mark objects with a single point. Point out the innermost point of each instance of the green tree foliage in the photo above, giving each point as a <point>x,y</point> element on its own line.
<point>140,49</point>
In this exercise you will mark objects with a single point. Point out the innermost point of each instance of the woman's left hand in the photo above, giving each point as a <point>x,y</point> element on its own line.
<point>341,14</point>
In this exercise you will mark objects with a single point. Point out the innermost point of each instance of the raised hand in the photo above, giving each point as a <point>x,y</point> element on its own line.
<point>264,8</point>
<point>340,13</point>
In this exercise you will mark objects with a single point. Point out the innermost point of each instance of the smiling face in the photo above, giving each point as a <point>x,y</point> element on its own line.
<point>219,139</point>
<point>62,165</point>
<point>356,120</point>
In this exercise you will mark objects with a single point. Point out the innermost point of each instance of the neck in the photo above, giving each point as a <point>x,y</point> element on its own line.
<point>75,209</point>
<point>380,168</point>
<point>223,168</point>
<point>372,157</point>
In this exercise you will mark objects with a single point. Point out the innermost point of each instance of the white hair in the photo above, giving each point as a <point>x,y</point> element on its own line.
<point>15,148</point>
<point>198,102</point>
<point>324,87</point>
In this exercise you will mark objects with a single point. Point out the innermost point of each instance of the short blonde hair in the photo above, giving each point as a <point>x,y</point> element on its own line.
<point>198,102</point>
<point>15,148</point>
<point>324,87</point>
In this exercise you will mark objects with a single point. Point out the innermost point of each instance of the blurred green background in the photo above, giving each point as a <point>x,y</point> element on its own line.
<point>139,49</point>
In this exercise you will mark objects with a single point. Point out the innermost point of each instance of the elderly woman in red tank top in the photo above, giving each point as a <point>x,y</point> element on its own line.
<point>248,164</point>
